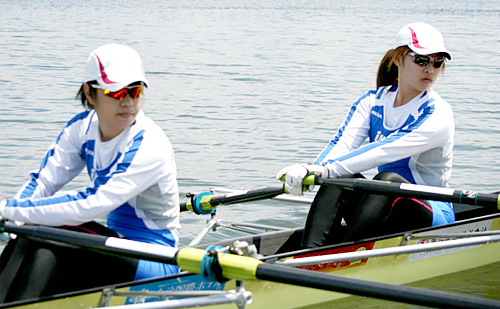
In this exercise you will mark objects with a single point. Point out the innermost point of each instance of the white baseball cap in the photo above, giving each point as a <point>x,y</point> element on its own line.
<point>422,38</point>
<point>115,66</point>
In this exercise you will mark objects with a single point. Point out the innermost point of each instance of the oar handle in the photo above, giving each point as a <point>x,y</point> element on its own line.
<point>309,180</point>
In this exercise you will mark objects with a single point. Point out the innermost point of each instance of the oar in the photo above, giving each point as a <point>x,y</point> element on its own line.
<point>248,268</point>
<point>205,202</point>
<point>409,190</point>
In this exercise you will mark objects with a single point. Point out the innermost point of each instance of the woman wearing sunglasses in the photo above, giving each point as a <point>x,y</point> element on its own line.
<point>410,130</point>
<point>131,164</point>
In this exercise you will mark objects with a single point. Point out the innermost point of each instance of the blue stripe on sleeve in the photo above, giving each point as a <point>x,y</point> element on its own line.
<point>30,188</point>
<point>55,200</point>
<point>334,141</point>
<point>427,109</point>
<point>99,181</point>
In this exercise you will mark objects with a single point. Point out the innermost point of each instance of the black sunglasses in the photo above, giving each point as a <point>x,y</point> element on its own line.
<point>423,61</point>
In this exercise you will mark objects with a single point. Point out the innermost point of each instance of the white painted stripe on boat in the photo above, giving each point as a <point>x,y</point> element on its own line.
<point>389,251</point>
<point>239,298</point>
<point>428,189</point>
<point>141,247</point>
<point>464,231</point>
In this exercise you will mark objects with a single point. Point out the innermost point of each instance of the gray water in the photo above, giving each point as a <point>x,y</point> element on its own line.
<point>242,88</point>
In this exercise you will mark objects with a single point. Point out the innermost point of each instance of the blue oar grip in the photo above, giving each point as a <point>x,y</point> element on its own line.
<point>200,203</point>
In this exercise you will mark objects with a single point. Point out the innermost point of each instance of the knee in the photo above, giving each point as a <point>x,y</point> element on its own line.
<point>390,176</point>
<point>43,257</point>
<point>411,213</point>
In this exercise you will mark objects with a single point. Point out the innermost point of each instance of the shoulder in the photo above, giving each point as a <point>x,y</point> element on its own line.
<point>153,138</point>
<point>433,94</point>
<point>80,125</point>
<point>149,128</point>
<point>377,96</point>
<point>80,117</point>
<point>441,105</point>
<point>437,113</point>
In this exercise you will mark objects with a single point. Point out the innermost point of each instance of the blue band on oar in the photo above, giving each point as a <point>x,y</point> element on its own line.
<point>196,203</point>
<point>210,267</point>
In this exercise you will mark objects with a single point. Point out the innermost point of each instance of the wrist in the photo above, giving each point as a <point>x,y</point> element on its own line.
<point>3,203</point>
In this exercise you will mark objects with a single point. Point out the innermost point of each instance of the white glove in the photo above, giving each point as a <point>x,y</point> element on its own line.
<point>295,175</point>
<point>2,208</point>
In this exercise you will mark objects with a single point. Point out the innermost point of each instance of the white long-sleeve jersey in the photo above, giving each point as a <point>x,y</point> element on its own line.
<point>134,179</point>
<point>414,140</point>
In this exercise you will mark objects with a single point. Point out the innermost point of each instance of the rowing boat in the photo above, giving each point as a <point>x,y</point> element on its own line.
<point>400,259</point>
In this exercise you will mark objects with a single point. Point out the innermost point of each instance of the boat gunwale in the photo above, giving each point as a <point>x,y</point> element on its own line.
<point>374,239</point>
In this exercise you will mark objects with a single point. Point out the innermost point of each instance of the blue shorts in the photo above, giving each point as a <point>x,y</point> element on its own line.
<point>123,220</point>
<point>148,269</point>
<point>442,213</point>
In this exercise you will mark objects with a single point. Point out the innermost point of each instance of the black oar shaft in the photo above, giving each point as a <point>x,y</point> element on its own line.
<point>359,287</point>
<point>103,244</point>
<point>54,234</point>
<point>208,202</point>
<point>252,195</point>
<point>410,190</point>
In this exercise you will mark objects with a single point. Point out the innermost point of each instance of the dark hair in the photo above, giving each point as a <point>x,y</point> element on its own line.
<point>81,95</point>
<point>387,74</point>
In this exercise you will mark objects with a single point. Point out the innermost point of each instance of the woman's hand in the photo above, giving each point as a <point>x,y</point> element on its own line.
<point>294,175</point>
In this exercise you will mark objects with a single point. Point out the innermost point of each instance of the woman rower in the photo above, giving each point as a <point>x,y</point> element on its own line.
<point>131,163</point>
<point>410,130</point>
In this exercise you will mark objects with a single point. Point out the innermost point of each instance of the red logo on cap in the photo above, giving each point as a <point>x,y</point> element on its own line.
<point>414,39</point>
<point>104,76</point>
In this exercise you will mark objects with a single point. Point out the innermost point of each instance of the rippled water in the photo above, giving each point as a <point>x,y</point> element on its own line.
<point>242,88</point>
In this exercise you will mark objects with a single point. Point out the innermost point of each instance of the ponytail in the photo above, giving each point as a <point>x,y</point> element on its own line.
<point>387,74</point>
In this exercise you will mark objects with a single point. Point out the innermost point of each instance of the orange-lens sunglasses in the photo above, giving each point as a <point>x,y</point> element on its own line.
<point>133,91</point>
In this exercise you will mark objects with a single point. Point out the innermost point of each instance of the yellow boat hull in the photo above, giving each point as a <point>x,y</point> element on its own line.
<point>393,269</point>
